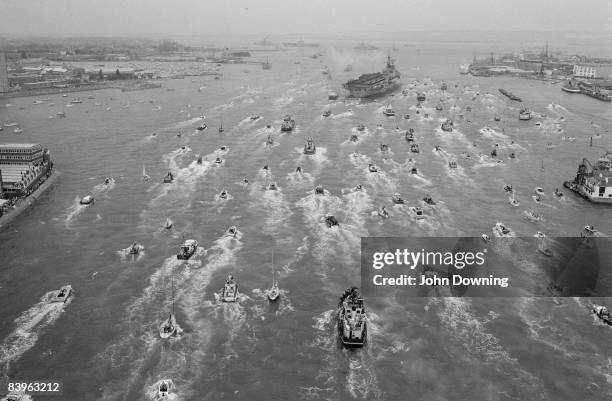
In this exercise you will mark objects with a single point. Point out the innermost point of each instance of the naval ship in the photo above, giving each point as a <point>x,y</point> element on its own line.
<point>374,83</point>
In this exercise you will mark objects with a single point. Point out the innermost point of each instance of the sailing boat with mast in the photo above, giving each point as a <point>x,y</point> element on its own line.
<point>145,177</point>
<point>168,327</point>
<point>513,201</point>
<point>221,127</point>
<point>273,292</point>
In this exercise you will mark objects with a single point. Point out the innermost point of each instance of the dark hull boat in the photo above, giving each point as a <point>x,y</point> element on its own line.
<point>352,323</point>
<point>375,83</point>
<point>187,250</point>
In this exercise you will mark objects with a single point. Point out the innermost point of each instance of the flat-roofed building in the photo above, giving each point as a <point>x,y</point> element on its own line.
<point>23,167</point>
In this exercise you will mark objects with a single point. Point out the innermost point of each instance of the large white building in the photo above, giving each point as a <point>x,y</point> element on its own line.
<point>593,70</point>
<point>4,85</point>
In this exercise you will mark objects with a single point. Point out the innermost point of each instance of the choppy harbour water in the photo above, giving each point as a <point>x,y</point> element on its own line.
<point>104,344</point>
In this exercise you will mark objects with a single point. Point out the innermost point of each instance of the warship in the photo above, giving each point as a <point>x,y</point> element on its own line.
<point>374,83</point>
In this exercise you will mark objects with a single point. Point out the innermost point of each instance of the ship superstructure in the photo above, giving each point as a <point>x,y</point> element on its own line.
<point>374,83</point>
<point>593,182</point>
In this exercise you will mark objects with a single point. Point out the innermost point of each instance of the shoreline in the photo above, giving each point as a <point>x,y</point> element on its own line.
<point>27,202</point>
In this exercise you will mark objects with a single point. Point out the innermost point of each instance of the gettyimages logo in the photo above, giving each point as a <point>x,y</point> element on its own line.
<point>501,267</point>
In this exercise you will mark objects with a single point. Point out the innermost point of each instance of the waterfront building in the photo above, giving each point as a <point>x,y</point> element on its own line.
<point>4,85</point>
<point>23,167</point>
<point>593,70</point>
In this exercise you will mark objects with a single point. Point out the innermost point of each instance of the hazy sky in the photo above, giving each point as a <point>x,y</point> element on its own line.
<point>192,17</point>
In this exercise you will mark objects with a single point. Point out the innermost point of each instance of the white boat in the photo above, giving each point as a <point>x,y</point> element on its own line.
<point>202,127</point>
<point>145,177</point>
<point>513,201</point>
<point>417,212</point>
<point>452,164</point>
<point>11,124</point>
<point>524,114</point>
<point>603,313</point>
<point>372,168</point>
<point>17,130</point>
<point>485,238</point>
<point>135,248</point>
<point>87,200</point>
<point>187,249</point>
<point>538,191</point>
<point>388,111</point>
<point>539,234</point>
<point>164,388</point>
<point>397,199</point>
<point>62,295</point>
<point>229,292</point>
<point>532,215</point>
<point>168,327</point>
<point>500,230</point>
<point>168,224</point>
<point>231,231</point>
<point>274,292</point>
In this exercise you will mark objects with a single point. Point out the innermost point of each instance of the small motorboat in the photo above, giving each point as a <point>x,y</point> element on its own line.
<point>202,127</point>
<point>507,188</point>
<point>288,124</point>
<point>187,249</point>
<point>543,249</point>
<point>223,148</point>
<point>61,114</point>
<point>417,212</point>
<point>500,230</point>
<point>409,135</point>
<point>414,171</point>
<point>310,148</point>
<point>429,200</point>
<point>512,155</point>
<point>494,153</point>
<point>382,212</point>
<point>87,200</point>
<point>168,178</point>
<point>231,231</point>
<point>420,97</point>
<point>229,292</point>
<point>372,168</point>
<point>199,160</point>
<point>76,100</point>
<point>254,117</point>
<point>485,238</point>
<point>319,190</point>
<point>452,164</point>
<point>108,180</point>
<point>330,220</point>
<point>274,292</point>
<point>298,169</point>
<point>397,199</point>
<point>603,314</point>
<point>558,193</point>
<point>513,201</point>
<point>388,111</point>
<point>221,129</point>
<point>218,161</point>
<point>361,127</point>
<point>168,224</point>
<point>354,138</point>
<point>272,186</point>
<point>163,388</point>
<point>245,180</point>
<point>532,215</point>
<point>326,113</point>
<point>538,191</point>
<point>18,130</point>
<point>268,126</point>
<point>524,114</point>
<point>384,148</point>
<point>539,234</point>
<point>536,198</point>
<point>406,116</point>
<point>265,167</point>
<point>447,125</point>
<point>135,248</point>
<point>269,141</point>
<point>168,327</point>
<point>497,118</point>
<point>223,195</point>
<point>414,148</point>
<point>359,188</point>
<point>62,294</point>
<point>439,107</point>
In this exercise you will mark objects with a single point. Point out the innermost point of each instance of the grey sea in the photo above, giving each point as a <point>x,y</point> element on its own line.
<point>104,343</point>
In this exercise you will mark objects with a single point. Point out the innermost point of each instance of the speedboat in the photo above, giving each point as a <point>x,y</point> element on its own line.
<point>500,230</point>
<point>310,148</point>
<point>494,152</point>
<point>218,161</point>
<point>536,198</point>
<point>417,212</point>
<point>372,168</point>
<point>497,118</point>
<point>538,191</point>
<point>202,127</point>
<point>254,117</point>
<point>558,193</point>
<point>108,180</point>
<point>359,188</point>
<point>168,327</point>
<point>524,114</point>
<point>163,388</point>
<point>326,113</point>
<point>429,200</point>
<point>397,199</point>
<point>539,234</point>
<point>330,220</point>
<point>62,294</point>
<point>414,171</point>
<point>414,148</point>
<point>168,178</point>
<point>272,186</point>
<point>543,249</point>
<point>223,195</point>
<point>388,111</point>
<point>319,190</point>
<point>382,212</point>
<point>354,138</point>
<point>187,249</point>
<point>245,181</point>
<point>229,292</point>
<point>135,248</point>
<point>452,164</point>
<point>18,130</point>
<point>507,188</point>
<point>603,313</point>
<point>231,231</point>
<point>409,135</point>
<point>168,224</point>
<point>406,116</point>
<point>87,200</point>
<point>361,127</point>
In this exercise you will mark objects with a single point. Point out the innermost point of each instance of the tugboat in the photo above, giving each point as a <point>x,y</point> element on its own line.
<point>62,294</point>
<point>330,220</point>
<point>414,148</point>
<point>603,313</point>
<point>524,114</point>
<point>447,125</point>
<point>429,200</point>
<point>229,292</point>
<point>87,200</point>
<point>319,190</point>
<point>372,168</point>
<point>500,230</point>
<point>288,124</point>
<point>168,178</point>
<point>452,164</point>
<point>352,321</point>
<point>420,97</point>
<point>388,111</point>
<point>231,231</point>
<point>310,148</point>
<point>397,199</point>
<point>326,113</point>
<point>417,212</point>
<point>187,250</point>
